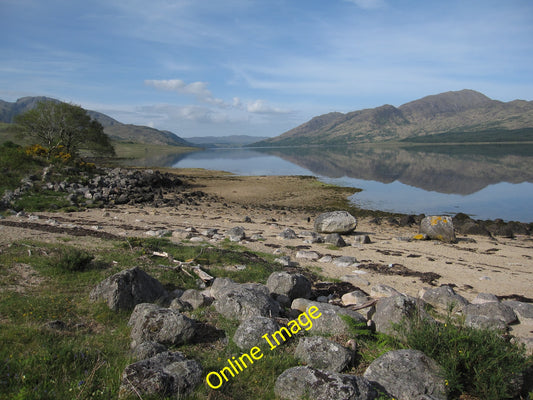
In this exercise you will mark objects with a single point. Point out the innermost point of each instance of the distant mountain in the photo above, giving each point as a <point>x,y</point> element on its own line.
<point>224,141</point>
<point>465,111</point>
<point>115,129</point>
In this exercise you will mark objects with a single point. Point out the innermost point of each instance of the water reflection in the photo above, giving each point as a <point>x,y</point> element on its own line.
<point>486,182</point>
<point>444,169</point>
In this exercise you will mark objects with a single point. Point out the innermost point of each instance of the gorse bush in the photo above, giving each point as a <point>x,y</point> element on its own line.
<point>479,362</point>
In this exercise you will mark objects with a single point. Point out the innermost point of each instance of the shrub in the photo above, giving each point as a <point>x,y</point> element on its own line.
<point>73,260</point>
<point>479,362</point>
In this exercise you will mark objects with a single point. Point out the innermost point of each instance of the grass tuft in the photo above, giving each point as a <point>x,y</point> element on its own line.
<point>479,362</point>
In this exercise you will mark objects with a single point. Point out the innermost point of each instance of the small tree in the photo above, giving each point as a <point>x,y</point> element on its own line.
<point>64,126</point>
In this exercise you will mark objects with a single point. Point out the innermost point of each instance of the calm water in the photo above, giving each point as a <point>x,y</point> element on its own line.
<point>486,182</point>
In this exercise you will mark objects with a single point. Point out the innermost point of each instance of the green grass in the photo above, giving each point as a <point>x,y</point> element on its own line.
<point>479,362</point>
<point>42,200</point>
<point>15,164</point>
<point>85,360</point>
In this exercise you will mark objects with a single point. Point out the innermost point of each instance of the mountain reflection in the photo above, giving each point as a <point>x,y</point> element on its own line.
<point>450,169</point>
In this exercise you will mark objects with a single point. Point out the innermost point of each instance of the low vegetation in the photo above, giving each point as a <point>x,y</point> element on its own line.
<point>83,356</point>
<point>483,136</point>
<point>475,361</point>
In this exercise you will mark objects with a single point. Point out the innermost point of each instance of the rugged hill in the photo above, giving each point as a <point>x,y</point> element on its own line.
<point>465,111</point>
<point>115,129</point>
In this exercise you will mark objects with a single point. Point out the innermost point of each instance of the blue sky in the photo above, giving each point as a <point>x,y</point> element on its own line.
<point>260,67</point>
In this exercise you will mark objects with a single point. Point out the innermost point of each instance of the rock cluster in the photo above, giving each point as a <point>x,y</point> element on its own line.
<point>107,187</point>
<point>405,374</point>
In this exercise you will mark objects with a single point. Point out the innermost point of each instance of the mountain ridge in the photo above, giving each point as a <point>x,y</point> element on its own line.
<point>114,129</point>
<point>454,111</point>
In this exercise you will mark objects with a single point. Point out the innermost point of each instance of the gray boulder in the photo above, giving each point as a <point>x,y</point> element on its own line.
<point>146,350</point>
<point>195,298</point>
<point>396,310</point>
<point>287,234</point>
<point>489,315</point>
<point>438,228</point>
<point>220,286</point>
<point>485,298</point>
<point>311,237</point>
<point>307,255</point>
<point>140,311</point>
<point>444,298</point>
<point>236,234</point>
<point>361,239</point>
<point>246,301</point>
<point>161,325</point>
<point>165,374</point>
<point>330,321</point>
<point>524,311</point>
<point>250,331</point>
<point>357,297</point>
<point>407,375</point>
<point>335,239</point>
<point>180,306</point>
<point>335,222</point>
<point>319,352</point>
<point>344,261</point>
<point>383,291</point>
<point>126,289</point>
<point>310,383</point>
<point>285,287</point>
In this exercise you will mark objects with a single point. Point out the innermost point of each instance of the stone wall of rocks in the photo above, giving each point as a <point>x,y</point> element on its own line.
<point>107,187</point>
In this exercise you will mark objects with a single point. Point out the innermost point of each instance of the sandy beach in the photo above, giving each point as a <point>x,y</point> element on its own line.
<point>473,265</point>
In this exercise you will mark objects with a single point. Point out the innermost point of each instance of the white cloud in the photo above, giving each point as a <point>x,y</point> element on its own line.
<point>262,107</point>
<point>197,89</point>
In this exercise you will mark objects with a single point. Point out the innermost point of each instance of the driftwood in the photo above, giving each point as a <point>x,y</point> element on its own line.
<point>186,265</point>
<point>204,276</point>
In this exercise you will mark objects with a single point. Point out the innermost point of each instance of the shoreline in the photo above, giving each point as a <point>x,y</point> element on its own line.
<point>345,204</point>
<point>266,206</point>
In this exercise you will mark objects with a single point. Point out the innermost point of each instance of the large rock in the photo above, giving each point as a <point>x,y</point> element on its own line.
<point>165,374</point>
<point>220,286</point>
<point>310,383</point>
<point>123,291</point>
<point>524,311</point>
<point>335,239</point>
<point>330,321</point>
<point>161,325</point>
<point>356,297</point>
<point>489,315</point>
<point>236,234</point>
<point>379,291</point>
<point>396,310</point>
<point>195,298</point>
<point>407,375</point>
<point>335,222</point>
<point>287,234</point>
<point>438,228</point>
<point>146,350</point>
<point>246,301</point>
<point>319,352</point>
<point>250,331</point>
<point>285,287</point>
<point>482,298</point>
<point>444,299</point>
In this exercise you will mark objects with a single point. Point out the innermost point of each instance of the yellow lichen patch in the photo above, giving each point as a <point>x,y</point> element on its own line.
<point>420,236</point>
<point>436,220</point>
